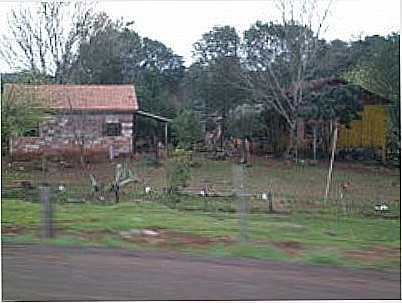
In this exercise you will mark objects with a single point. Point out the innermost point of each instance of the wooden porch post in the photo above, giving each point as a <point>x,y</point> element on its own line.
<point>315,142</point>
<point>134,134</point>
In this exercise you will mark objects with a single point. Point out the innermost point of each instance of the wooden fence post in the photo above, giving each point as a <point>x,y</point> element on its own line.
<point>47,211</point>
<point>315,143</point>
<point>270,206</point>
<point>331,164</point>
<point>238,180</point>
<point>166,140</point>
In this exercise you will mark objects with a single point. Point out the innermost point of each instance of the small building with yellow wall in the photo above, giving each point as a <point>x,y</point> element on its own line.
<point>370,132</point>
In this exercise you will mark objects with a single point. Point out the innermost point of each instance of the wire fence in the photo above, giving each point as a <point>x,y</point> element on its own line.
<point>215,192</point>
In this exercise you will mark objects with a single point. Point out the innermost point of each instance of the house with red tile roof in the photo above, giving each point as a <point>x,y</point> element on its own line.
<point>89,119</point>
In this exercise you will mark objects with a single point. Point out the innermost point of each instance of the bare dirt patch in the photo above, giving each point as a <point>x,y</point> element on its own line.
<point>167,238</point>
<point>376,253</point>
<point>93,235</point>
<point>290,248</point>
<point>12,230</point>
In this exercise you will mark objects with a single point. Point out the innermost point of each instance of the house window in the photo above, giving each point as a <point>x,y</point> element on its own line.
<point>112,129</point>
<point>31,132</point>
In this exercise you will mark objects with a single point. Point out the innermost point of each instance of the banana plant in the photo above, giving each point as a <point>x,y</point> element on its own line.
<point>123,176</point>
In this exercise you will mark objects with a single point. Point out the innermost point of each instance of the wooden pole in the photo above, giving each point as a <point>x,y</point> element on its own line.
<point>166,139</point>
<point>47,211</point>
<point>134,134</point>
<point>270,206</point>
<point>332,160</point>
<point>384,153</point>
<point>315,142</point>
<point>238,180</point>
<point>156,148</point>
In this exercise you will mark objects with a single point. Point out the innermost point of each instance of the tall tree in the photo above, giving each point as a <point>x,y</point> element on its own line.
<point>218,71</point>
<point>156,57</point>
<point>282,55</point>
<point>99,57</point>
<point>221,41</point>
<point>44,39</point>
<point>114,53</point>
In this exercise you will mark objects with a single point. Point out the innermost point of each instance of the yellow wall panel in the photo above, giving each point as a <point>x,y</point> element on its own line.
<point>370,131</point>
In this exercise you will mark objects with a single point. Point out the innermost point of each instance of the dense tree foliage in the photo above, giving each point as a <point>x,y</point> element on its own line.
<point>266,68</point>
<point>214,82</point>
<point>113,53</point>
<point>220,42</point>
<point>337,103</point>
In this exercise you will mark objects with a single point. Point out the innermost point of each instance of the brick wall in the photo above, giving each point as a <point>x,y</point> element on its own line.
<point>58,136</point>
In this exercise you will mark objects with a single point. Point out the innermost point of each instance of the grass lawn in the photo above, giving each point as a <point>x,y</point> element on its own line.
<point>306,230</point>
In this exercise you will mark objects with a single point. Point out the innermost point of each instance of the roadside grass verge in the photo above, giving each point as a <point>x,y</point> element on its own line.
<point>323,238</point>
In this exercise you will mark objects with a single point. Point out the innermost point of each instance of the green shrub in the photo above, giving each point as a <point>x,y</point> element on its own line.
<point>178,172</point>
<point>187,128</point>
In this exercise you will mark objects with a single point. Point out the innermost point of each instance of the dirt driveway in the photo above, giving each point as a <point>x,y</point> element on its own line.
<point>47,273</point>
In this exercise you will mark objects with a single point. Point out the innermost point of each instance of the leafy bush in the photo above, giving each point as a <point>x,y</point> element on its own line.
<point>187,128</point>
<point>178,171</point>
<point>149,161</point>
<point>20,111</point>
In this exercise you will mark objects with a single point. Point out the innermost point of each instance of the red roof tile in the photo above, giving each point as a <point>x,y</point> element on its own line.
<point>81,97</point>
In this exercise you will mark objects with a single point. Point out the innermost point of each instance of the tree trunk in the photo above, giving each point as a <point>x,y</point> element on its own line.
<point>292,132</point>
<point>156,148</point>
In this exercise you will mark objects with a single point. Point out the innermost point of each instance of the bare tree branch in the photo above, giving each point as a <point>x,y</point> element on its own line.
<point>286,57</point>
<point>44,37</point>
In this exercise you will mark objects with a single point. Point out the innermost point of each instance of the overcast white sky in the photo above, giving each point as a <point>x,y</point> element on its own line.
<point>178,24</point>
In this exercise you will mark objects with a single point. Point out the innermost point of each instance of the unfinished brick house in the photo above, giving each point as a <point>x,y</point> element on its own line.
<point>94,120</point>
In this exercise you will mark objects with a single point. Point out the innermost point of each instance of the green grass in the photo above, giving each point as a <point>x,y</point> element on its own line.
<point>246,250</point>
<point>322,239</point>
<point>323,233</point>
<point>325,257</point>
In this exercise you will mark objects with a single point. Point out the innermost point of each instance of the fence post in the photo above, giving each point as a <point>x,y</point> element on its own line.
<point>238,178</point>
<point>270,207</point>
<point>47,212</point>
<point>331,163</point>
